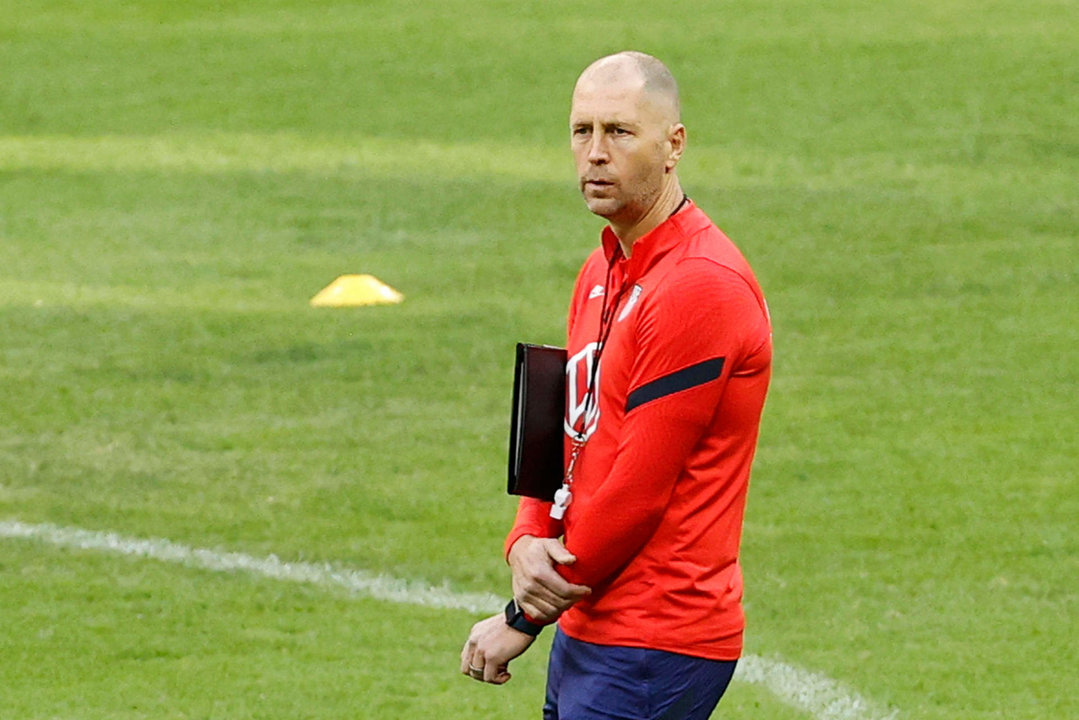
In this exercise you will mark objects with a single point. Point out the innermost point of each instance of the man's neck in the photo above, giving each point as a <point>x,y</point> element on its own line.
<point>670,198</point>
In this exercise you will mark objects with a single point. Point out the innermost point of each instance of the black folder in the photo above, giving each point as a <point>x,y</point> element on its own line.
<point>536,423</point>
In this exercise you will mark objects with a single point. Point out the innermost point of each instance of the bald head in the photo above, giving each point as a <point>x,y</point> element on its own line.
<point>627,138</point>
<point>636,70</point>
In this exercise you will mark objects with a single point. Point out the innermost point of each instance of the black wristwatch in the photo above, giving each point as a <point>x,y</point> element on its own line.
<point>515,618</point>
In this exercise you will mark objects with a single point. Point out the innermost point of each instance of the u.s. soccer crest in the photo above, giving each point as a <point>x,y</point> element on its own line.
<point>581,416</point>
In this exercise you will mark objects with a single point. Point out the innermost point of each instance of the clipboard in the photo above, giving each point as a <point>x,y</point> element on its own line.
<point>537,421</point>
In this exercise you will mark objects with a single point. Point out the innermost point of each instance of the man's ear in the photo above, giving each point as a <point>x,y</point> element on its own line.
<point>676,138</point>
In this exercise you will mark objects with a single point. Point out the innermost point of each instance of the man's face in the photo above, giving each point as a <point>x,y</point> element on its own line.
<point>620,142</point>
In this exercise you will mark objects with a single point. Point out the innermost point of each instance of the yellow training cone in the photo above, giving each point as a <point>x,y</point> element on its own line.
<point>352,290</point>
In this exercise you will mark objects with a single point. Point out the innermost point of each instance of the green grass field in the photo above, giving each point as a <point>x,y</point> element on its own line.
<point>177,179</point>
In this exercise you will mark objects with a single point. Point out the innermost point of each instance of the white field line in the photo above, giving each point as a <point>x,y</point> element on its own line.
<point>821,697</point>
<point>379,587</point>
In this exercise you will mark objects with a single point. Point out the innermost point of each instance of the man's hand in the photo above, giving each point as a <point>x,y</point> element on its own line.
<point>490,647</point>
<point>540,591</point>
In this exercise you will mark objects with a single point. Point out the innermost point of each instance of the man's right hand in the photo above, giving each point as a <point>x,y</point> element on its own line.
<point>541,592</point>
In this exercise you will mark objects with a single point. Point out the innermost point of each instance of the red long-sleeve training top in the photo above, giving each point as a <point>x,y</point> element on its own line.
<point>660,487</point>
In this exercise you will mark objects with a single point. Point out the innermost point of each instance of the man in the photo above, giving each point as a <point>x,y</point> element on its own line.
<point>669,347</point>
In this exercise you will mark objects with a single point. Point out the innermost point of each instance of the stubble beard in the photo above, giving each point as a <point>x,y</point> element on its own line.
<point>606,207</point>
<point>618,209</point>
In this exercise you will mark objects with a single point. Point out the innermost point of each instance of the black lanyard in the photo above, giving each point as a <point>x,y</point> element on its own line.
<point>606,322</point>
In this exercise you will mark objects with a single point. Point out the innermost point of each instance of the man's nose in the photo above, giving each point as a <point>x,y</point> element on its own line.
<point>597,149</point>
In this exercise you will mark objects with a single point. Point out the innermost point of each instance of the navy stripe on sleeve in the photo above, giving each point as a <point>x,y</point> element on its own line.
<point>677,381</point>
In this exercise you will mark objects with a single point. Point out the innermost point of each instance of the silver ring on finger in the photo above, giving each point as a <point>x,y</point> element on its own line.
<point>475,672</point>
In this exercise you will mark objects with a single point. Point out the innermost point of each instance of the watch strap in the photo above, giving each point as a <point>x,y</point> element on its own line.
<point>518,620</point>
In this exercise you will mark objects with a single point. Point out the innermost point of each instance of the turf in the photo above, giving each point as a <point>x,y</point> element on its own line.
<point>177,179</point>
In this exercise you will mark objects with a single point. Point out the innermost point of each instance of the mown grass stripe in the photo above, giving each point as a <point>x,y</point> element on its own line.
<point>280,153</point>
<point>382,157</point>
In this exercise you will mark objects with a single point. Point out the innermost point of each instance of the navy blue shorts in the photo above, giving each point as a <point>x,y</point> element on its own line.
<point>602,682</point>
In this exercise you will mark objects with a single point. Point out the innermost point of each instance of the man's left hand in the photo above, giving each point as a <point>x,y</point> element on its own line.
<point>490,647</point>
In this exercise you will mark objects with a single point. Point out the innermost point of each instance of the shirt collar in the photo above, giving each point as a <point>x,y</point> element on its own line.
<point>654,244</point>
